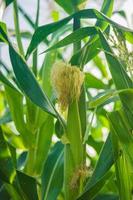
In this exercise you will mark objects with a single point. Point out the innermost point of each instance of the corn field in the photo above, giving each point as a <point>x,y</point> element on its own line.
<point>66,103</point>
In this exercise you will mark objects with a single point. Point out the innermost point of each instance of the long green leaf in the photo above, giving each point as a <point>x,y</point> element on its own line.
<point>15,101</point>
<point>121,128</point>
<point>122,165</point>
<point>87,53</point>
<point>52,177</point>
<point>42,146</point>
<point>76,36</point>
<point>7,171</point>
<point>107,8</point>
<point>92,48</point>
<point>3,193</point>
<point>100,173</point>
<point>107,197</point>
<point>42,32</point>
<point>28,186</point>
<point>28,82</point>
<point>119,75</point>
<point>12,191</point>
<point>92,82</point>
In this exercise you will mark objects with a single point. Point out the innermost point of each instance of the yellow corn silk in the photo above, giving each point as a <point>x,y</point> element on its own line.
<point>67,81</point>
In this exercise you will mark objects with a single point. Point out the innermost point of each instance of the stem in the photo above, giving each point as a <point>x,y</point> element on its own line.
<point>29,166</point>
<point>73,154</point>
<point>82,99</point>
<point>36,51</point>
<point>74,150</point>
<point>17,28</point>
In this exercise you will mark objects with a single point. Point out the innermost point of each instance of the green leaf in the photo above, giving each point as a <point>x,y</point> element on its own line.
<point>107,197</point>
<point>12,139</point>
<point>101,66</point>
<point>42,146</point>
<point>97,145</point>
<point>28,186</point>
<point>127,99</point>
<point>15,101</point>
<point>99,100</point>
<point>82,109</point>
<point>92,82</point>
<point>21,160</point>
<point>121,129</point>
<point>13,154</point>
<point>3,31</point>
<point>128,33</point>
<point>28,83</point>
<point>43,31</point>
<point>12,191</point>
<point>122,81</point>
<point>15,141</point>
<point>67,5</point>
<point>3,193</point>
<point>52,177</point>
<point>4,80</point>
<point>8,2</point>
<point>92,48</point>
<point>87,53</point>
<point>5,118</point>
<point>70,6</point>
<point>76,36</point>
<point>100,174</point>
<point>7,171</point>
<point>58,129</point>
<point>107,9</point>
<point>122,165</point>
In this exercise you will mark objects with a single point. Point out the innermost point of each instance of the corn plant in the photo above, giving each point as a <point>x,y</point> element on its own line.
<point>49,117</point>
